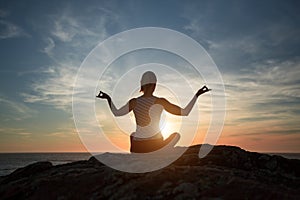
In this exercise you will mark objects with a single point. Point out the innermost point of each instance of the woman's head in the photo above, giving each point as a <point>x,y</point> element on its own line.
<point>148,82</point>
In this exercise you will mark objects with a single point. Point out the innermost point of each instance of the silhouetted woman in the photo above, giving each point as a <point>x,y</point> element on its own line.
<point>147,110</point>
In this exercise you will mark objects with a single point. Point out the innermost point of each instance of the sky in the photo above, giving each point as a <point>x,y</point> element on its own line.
<point>255,45</point>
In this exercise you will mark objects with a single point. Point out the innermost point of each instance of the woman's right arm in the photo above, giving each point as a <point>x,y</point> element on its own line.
<point>121,111</point>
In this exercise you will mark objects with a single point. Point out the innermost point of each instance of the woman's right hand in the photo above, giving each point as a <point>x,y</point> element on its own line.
<point>103,95</point>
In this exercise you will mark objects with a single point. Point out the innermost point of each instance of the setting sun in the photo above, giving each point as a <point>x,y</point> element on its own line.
<point>169,124</point>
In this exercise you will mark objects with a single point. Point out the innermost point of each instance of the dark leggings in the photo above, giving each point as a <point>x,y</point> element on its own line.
<point>146,146</point>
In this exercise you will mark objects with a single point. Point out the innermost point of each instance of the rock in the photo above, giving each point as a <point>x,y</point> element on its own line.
<point>225,173</point>
<point>264,157</point>
<point>272,164</point>
<point>28,171</point>
<point>185,191</point>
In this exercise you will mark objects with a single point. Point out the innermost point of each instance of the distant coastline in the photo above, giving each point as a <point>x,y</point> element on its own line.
<point>287,155</point>
<point>12,161</point>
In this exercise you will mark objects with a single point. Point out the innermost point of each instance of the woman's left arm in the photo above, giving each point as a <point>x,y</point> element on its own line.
<point>176,110</point>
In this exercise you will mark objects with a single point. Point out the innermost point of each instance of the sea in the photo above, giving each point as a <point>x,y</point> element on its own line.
<point>12,161</point>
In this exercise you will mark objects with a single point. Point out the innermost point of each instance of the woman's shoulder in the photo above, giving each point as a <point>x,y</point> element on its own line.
<point>159,100</point>
<point>132,101</point>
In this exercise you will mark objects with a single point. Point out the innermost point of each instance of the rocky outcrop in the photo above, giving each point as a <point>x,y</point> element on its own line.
<point>225,173</point>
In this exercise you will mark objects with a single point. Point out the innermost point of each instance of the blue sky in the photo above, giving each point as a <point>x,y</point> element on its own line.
<point>255,45</point>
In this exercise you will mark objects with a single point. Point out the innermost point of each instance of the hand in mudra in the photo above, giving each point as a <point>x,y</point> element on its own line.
<point>203,90</point>
<point>103,95</point>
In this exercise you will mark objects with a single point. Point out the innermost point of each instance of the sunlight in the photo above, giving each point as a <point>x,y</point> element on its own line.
<point>166,129</point>
<point>169,124</point>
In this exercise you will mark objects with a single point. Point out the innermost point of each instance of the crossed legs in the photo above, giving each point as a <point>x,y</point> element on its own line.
<point>146,146</point>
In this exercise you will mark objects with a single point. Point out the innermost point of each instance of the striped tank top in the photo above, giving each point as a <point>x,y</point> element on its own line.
<point>147,116</point>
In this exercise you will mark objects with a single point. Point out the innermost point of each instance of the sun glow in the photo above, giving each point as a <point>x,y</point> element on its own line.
<point>169,124</point>
<point>166,129</point>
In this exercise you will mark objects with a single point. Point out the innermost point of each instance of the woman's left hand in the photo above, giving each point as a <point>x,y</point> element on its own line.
<point>103,95</point>
<point>203,90</point>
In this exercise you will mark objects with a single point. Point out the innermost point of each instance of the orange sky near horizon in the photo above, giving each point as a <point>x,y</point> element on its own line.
<point>265,143</point>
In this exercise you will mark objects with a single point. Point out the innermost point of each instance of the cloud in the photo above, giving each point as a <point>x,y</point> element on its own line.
<point>24,133</point>
<point>65,28</point>
<point>15,131</point>
<point>50,46</point>
<point>270,81</point>
<point>55,88</point>
<point>70,38</point>
<point>7,130</point>
<point>13,110</point>
<point>267,96</point>
<point>63,132</point>
<point>235,40</point>
<point>259,58</point>
<point>68,26</point>
<point>10,30</point>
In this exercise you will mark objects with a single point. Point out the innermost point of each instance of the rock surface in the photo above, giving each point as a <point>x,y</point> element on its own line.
<point>227,172</point>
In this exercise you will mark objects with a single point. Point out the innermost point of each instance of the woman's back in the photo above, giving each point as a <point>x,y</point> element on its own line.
<point>147,115</point>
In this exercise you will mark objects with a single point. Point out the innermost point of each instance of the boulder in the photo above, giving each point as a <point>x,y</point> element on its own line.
<point>227,172</point>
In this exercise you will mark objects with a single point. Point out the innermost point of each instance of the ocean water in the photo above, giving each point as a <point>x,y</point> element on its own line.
<point>287,155</point>
<point>11,161</point>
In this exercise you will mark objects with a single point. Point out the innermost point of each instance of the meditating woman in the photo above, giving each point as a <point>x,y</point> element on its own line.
<point>147,110</point>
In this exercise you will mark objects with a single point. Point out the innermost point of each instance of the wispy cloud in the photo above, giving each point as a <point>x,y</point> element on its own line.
<point>65,28</point>
<point>236,41</point>
<point>15,131</point>
<point>55,89</point>
<point>68,26</point>
<point>63,132</point>
<point>267,96</point>
<point>259,61</point>
<point>3,130</point>
<point>50,46</point>
<point>10,30</point>
<point>13,110</point>
<point>268,82</point>
<point>24,133</point>
<point>71,38</point>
